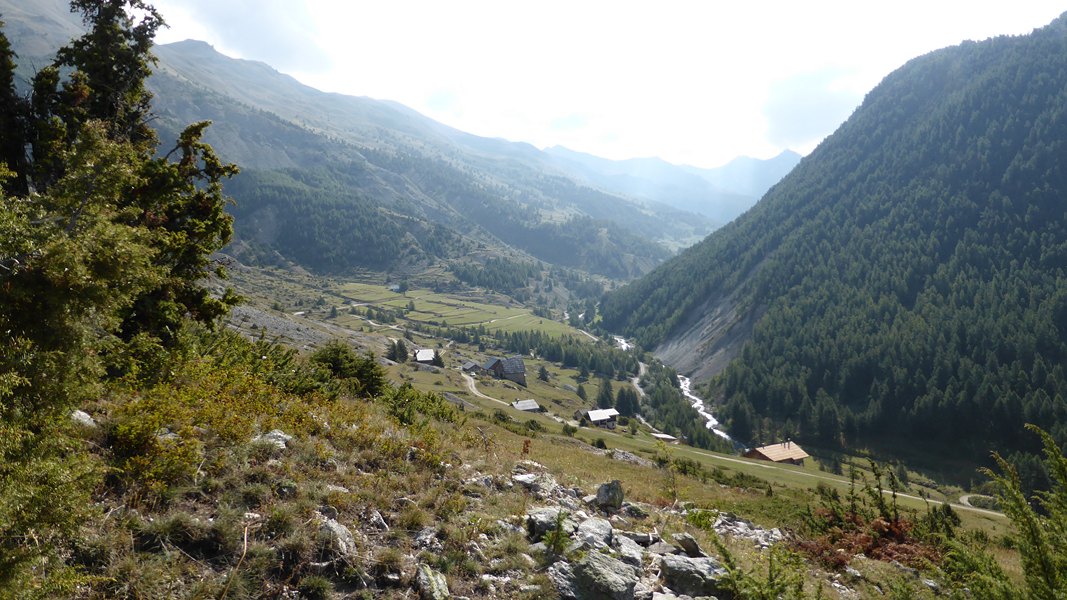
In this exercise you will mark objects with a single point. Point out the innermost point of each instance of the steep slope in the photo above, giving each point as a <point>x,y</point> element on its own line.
<point>362,161</point>
<point>907,279</point>
<point>377,185</point>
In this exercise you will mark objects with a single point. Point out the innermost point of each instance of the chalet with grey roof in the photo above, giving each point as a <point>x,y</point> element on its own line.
<point>512,369</point>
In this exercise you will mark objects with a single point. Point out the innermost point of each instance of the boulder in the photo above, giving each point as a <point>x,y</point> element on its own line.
<point>542,520</point>
<point>340,542</point>
<point>691,576</point>
<point>431,584</point>
<point>689,544</point>
<point>630,552</point>
<point>662,547</point>
<point>609,496</point>
<point>597,576</point>
<point>376,521</point>
<point>596,532</point>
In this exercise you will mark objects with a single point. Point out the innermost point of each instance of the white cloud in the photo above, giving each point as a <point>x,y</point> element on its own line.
<point>688,80</point>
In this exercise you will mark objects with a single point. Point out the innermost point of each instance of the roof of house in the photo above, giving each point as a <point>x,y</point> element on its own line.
<point>470,364</point>
<point>527,405</point>
<point>602,414</point>
<point>514,365</point>
<point>665,437</point>
<point>424,355</point>
<point>489,364</point>
<point>783,451</point>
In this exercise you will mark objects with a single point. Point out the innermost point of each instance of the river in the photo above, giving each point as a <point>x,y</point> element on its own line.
<point>698,404</point>
<point>683,382</point>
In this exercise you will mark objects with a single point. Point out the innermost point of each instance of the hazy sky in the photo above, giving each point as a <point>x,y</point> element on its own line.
<point>695,82</point>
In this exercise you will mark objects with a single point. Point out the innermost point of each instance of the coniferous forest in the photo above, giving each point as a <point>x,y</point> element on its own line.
<point>907,280</point>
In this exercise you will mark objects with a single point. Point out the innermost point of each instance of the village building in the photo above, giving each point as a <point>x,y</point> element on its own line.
<point>512,369</point>
<point>786,452</point>
<point>604,417</point>
<point>527,405</point>
<point>471,367</point>
<point>663,437</point>
<point>425,355</point>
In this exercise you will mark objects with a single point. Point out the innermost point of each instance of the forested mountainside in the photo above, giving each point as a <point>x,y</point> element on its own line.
<point>378,185</point>
<point>907,280</point>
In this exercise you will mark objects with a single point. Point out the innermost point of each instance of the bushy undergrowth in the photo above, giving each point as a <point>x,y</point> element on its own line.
<point>864,522</point>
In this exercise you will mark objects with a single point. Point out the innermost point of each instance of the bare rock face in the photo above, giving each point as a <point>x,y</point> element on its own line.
<point>609,496</point>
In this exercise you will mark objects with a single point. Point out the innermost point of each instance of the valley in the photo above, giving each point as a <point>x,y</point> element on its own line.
<point>264,341</point>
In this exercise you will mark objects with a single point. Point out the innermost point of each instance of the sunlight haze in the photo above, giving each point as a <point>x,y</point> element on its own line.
<point>691,82</point>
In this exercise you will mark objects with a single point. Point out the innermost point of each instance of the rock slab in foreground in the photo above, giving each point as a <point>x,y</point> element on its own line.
<point>692,576</point>
<point>597,576</point>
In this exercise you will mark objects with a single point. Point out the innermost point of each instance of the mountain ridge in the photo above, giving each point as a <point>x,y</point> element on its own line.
<point>886,282</point>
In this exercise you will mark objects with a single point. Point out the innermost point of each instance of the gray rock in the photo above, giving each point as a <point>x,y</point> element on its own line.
<point>691,576</point>
<point>341,543</point>
<point>853,572</point>
<point>563,577</point>
<point>527,480</point>
<point>634,511</point>
<point>661,596</point>
<point>628,457</point>
<point>376,521</point>
<point>597,576</point>
<point>734,526</point>
<point>905,569</point>
<point>609,496</point>
<point>662,547</point>
<point>932,586</point>
<point>689,544</point>
<point>642,538</point>
<point>277,438</point>
<point>596,532</point>
<point>630,552</point>
<point>426,539</point>
<point>542,520</point>
<point>82,418</point>
<point>431,584</point>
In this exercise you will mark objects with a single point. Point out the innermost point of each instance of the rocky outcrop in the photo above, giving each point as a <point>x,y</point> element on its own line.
<point>692,576</point>
<point>277,438</point>
<point>729,524</point>
<point>430,584</point>
<point>609,496</point>
<point>595,576</point>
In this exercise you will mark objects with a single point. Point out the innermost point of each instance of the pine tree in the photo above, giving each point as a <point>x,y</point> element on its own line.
<point>605,397</point>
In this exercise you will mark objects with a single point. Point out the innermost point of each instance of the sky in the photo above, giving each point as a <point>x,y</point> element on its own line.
<point>694,82</point>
